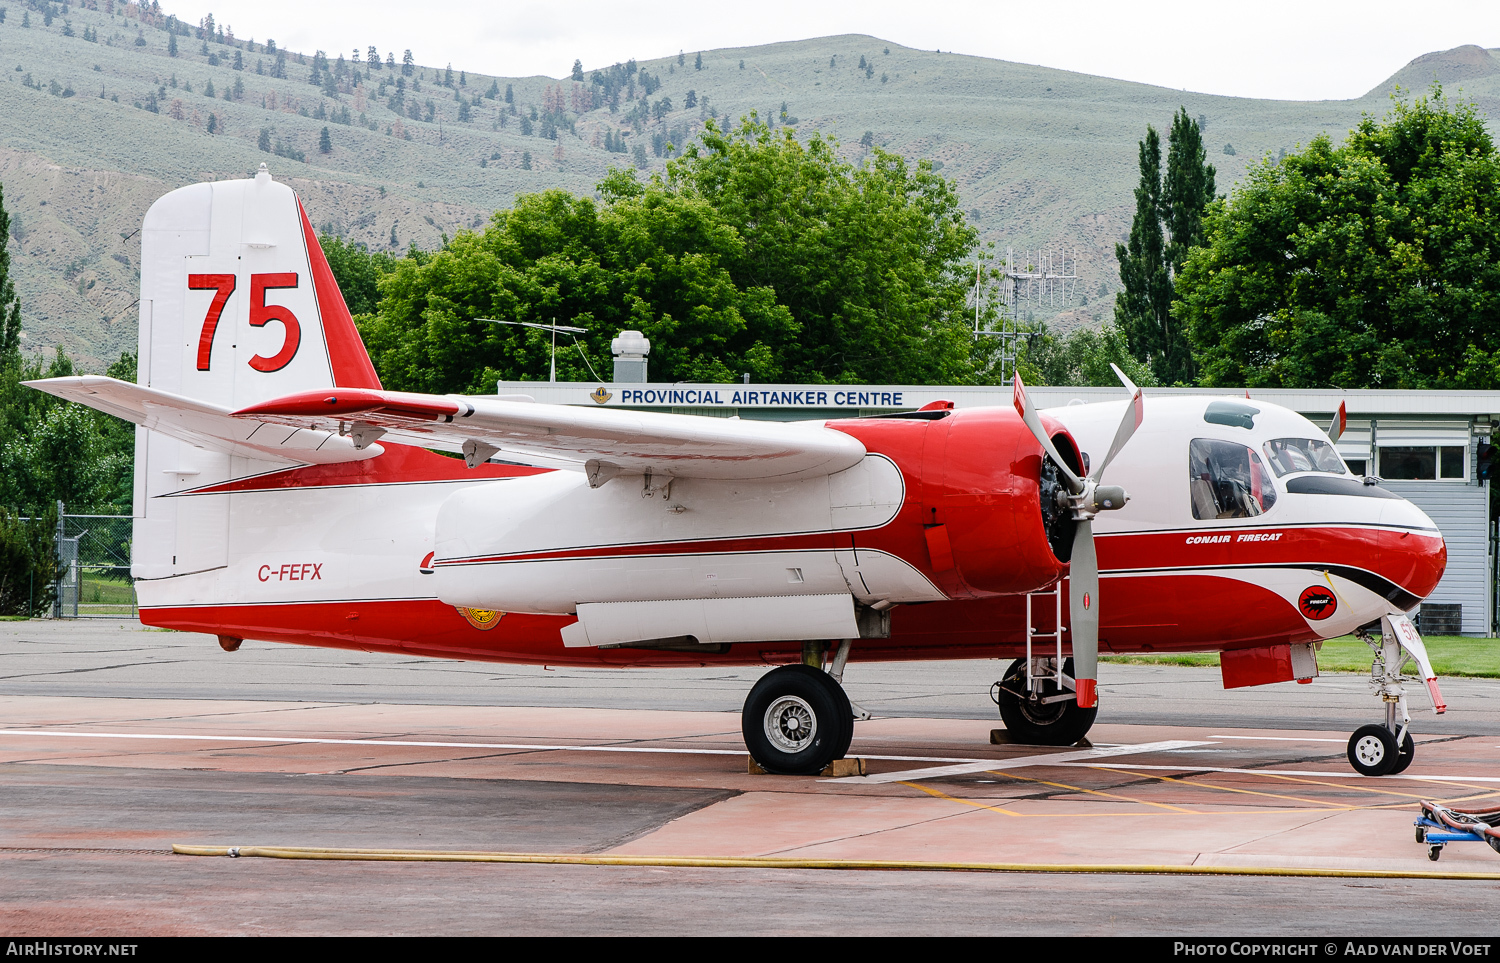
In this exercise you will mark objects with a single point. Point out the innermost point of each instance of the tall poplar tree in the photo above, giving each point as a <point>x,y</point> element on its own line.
<point>10,305</point>
<point>1168,223</point>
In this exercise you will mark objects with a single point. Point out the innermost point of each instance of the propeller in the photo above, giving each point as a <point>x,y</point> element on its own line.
<point>1086,498</point>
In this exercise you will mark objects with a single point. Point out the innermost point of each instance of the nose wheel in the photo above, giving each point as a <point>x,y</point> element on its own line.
<point>1373,751</point>
<point>1385,750</point>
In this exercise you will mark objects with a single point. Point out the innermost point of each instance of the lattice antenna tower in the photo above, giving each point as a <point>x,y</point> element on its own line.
<point>1043,277</point>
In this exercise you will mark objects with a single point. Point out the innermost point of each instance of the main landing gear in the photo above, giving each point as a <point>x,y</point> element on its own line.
<point>797,719</point>
<point>1042,709</point>
<point>1387,749</point>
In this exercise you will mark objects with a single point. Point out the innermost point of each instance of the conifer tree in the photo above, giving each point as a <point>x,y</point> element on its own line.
<point>578,70</point>
<point>10,305</point>
<point>172,45</point>
<point>698,62</point>
<point>1168,223</point>
<point>325,142</point>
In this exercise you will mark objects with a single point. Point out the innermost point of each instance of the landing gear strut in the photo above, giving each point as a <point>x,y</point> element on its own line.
<point>1384,750</point>
<point>797,718</point>
<point>1046,714</point>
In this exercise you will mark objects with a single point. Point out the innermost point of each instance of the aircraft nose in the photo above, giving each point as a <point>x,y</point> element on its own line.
<point>1413,553</point>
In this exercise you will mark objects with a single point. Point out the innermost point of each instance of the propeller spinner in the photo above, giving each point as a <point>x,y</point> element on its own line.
<point>1086,497</point>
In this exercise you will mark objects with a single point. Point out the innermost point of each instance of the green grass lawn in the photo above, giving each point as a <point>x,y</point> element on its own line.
<point>1452,655</point>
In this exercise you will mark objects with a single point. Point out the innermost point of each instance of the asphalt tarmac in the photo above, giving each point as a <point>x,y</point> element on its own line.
<point>116,742</point>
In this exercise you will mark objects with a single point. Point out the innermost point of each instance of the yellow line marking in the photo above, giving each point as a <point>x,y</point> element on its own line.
<point>1100,792</point>
<point>1318,803</point>
<point>1186,812</point>
<point>967,802</point>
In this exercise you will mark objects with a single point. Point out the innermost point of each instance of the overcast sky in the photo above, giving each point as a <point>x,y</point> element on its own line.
<point>1292,49</point>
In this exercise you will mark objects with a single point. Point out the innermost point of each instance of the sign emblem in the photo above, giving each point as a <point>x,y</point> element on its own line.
<point>484,619</point>
<point>600,396</point>
<point>1317,603</point>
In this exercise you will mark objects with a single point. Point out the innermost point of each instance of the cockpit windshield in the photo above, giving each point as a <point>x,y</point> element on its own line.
<point>1303,454</point>
<point>1227,480</point>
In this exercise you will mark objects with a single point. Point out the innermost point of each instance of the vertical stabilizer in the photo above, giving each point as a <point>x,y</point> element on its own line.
<point>238,305</point>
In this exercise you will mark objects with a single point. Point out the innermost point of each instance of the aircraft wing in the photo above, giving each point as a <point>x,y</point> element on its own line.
<point>205,425</point>
<point>603,443</point>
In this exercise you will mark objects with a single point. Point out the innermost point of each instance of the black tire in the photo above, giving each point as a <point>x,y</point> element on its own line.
<point>1036,724</point>
<point>805,715</point>
<point>1405,755</point>
<point>1421,834</point>
<point>846,714</point>
<point>1372,751</point>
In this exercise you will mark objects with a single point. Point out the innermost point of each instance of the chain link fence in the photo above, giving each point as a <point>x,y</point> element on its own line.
<point>93,553</point>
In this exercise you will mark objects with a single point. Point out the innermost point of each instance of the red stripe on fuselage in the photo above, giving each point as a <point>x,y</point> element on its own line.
<point>400,465</point>
<point>1140,614</point>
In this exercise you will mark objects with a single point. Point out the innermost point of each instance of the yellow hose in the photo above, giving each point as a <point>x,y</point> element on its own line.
<point>762,862</point>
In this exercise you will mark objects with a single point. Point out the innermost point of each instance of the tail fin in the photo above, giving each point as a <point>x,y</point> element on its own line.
<point>238,304</point>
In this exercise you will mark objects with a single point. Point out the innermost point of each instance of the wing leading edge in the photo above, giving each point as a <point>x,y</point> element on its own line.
<point>603,443</point>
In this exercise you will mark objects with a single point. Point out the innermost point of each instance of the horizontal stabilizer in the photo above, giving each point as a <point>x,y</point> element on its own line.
<point>205,425</point>
<point>605,442</point>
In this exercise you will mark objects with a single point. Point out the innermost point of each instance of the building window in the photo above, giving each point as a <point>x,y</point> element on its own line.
<point>1423,463</point>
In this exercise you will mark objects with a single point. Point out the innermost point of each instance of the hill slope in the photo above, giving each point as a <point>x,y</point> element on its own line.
<point>1041,156</point>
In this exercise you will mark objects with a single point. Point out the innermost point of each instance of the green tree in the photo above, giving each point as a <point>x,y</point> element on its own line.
<point>325,142</point>
<point>1371,264</point>
<point>578,70</point>
<point>1168,221</point>
<point>357,270</point>
<point>753,253</point>
<point>1081,358</point>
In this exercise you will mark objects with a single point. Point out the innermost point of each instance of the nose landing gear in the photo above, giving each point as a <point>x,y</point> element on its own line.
<point>1384,750</point>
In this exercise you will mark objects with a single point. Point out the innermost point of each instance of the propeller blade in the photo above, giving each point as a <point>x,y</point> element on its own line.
<point>1340,422</point>
<point>1034,422</point>
<point>1083,609</point>
<point>1129,385</point>
<point>1134,415</point>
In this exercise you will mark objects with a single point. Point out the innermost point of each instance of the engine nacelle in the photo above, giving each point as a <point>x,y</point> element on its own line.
<point>982,512</point>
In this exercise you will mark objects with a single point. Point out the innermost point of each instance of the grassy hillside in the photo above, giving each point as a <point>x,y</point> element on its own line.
<point>1041,156</point>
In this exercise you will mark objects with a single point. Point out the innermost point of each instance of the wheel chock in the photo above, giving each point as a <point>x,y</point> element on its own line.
<point>1002,737</point>
<point>845,767</point>
<point>837,769</point>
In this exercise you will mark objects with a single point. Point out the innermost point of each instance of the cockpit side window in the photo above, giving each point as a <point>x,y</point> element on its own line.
<point>1227,480</point>
<point>1303,454</point>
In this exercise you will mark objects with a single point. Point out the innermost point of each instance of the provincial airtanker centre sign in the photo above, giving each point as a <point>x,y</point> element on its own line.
<point>849,398</point>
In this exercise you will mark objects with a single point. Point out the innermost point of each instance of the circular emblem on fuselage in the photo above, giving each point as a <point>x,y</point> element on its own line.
<point>480,618</point>
<point>1317,603</point>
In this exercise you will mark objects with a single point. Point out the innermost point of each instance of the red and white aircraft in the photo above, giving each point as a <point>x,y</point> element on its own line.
<point>281,494</point>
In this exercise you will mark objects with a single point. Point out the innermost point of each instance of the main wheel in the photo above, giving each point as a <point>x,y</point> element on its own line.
<point>794,722</point>
<point>1372,751</point>
<point>1039,723</point>
<point>1407,753</point>
<point>846,714</point>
